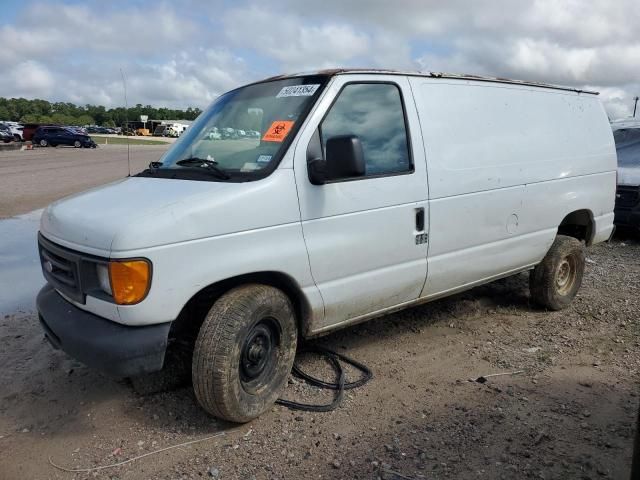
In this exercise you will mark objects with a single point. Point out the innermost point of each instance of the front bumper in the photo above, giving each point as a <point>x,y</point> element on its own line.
<point>115,349</point>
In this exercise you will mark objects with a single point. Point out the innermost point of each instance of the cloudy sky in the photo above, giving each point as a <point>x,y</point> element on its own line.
<point>185,53</point>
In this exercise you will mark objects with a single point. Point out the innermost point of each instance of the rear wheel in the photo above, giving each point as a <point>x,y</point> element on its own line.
<point>244,352</point>
<point>43,143</point>
<point>77,144</point>
<point>556,280</point>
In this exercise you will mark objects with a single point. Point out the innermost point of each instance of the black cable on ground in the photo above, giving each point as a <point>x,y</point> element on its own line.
<point>340,386</point>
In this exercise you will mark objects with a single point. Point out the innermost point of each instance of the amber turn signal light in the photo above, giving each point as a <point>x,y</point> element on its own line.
<point>130,281</point>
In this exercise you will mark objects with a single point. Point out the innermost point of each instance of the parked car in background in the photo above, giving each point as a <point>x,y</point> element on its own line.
<point>54,136</point>
<point>16,130</point>
<point>627,138</point>
<point>214,134</point>
<point>29,129</point>
<point>175,130</point>
<point>103,130</point>
<point>5,133</point>
<point>160,131</point>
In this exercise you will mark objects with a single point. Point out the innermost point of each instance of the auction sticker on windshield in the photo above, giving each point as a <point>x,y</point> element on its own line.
<point>278,131</point>
<point>298,91</point>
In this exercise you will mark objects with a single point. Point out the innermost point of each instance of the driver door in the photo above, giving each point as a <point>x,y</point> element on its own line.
<point>366,236</point>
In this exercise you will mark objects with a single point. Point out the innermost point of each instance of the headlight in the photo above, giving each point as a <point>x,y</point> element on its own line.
<point>130,280</point>
<point>102,271</point>
<point>126,281</point>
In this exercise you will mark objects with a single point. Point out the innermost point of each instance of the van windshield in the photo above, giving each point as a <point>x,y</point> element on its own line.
<point>628,146</point>
<point>243,134</point>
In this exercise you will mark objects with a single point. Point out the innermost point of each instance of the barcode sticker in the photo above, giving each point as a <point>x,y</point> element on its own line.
<point>298,91</point>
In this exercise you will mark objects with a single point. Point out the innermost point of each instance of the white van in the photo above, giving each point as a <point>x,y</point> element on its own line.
<point>365,192</point>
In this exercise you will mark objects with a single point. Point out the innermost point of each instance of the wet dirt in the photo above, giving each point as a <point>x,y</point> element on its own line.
<point>20,274</point>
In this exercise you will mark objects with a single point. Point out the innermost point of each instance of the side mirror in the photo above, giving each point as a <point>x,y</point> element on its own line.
<point>345,158</point>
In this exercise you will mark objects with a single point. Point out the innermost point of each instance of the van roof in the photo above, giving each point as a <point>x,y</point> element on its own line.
<point>458,76</point>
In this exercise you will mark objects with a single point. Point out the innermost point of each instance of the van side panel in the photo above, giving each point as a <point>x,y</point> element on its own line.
<point>505,165</point>
<point>482,137</point>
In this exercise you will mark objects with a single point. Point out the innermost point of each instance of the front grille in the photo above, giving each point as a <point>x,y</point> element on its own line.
<point>627,197</point>
<point>61,268</point>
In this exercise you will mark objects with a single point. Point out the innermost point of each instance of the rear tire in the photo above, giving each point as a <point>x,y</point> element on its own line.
<point>556,280</point>
<point>77,144</point>
<point>244,352</point>
<point>44,143</point>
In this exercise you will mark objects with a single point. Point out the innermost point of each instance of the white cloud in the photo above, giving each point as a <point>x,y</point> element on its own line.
<point>45,29</point>
<point>188,53</point>
<point>557,41</point>
<point>294,45</point>
<point>27,79</point>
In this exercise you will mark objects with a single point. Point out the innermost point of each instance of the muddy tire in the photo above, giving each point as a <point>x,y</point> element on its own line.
<point>175,373</point>
<point>556,280</point>
<point>244,352</point>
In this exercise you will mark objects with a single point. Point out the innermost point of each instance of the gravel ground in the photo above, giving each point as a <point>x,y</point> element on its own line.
<point>570,414</point>
<point>31,179</point>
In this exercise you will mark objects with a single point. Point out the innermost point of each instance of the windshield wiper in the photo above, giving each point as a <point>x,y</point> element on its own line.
<point>210,165</point>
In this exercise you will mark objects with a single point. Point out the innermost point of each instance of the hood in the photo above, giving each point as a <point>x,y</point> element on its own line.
<point>629,175</point>
<point>137,213</point>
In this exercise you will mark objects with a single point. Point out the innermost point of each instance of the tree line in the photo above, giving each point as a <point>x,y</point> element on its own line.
<point>64,113</point>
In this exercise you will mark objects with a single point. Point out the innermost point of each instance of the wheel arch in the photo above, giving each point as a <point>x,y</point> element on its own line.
<point>578,224</point>
<point>193,312</point>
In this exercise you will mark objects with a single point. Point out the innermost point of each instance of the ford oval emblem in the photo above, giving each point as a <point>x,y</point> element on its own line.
<point>48,266</point>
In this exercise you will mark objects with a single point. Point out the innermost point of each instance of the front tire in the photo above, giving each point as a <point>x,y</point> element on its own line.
<point>244,352</point>
<point>556,280</point>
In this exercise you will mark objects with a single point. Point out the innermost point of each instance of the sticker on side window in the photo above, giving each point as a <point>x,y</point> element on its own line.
<point>298,91</point>
<point>278,131</point>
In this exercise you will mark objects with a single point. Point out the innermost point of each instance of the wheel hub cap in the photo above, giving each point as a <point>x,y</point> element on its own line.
<point>256,352</point>
<point>565,275</point>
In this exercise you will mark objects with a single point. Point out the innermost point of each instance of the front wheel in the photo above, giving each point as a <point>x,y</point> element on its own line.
<point>555,281</point>
<point>244,352</point>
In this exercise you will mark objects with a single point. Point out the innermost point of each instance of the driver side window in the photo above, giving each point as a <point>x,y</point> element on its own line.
<point>373,112</point>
